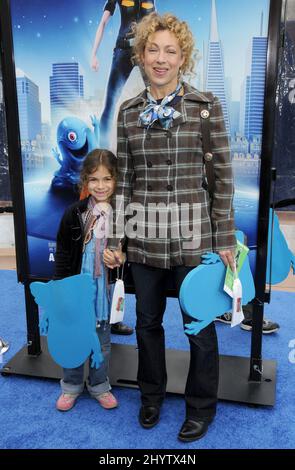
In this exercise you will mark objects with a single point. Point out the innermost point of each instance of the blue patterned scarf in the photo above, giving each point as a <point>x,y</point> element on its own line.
<point>159,112</point>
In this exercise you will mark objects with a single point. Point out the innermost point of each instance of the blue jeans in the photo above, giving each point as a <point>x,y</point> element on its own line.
<point>98,381</point>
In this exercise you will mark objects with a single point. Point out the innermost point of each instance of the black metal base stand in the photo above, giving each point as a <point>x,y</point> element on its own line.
<point>234,384</point>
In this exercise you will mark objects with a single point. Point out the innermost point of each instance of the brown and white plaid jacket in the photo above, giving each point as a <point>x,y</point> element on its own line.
<point>166,166</point>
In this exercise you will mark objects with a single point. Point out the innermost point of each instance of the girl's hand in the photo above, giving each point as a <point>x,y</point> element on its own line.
<point>109,259</point>
<point>228,257</point>
<point>113,259</point>
<point>120,256</point>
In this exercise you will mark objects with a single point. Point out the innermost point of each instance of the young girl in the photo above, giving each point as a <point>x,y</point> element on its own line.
<point>81,240</point>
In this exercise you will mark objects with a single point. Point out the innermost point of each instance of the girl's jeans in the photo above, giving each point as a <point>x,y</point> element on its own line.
<point>98,381</point>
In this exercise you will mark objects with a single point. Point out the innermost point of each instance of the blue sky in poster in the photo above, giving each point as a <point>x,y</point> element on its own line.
<point>60,31</point>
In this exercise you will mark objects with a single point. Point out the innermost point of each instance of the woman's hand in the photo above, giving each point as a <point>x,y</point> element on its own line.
<point>228,257</point>
<point>113,259</point>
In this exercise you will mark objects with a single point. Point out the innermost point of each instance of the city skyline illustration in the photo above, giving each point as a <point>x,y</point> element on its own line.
<point>243,111</point>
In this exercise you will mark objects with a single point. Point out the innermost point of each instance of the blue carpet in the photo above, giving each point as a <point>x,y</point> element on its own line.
<point>31,421</point>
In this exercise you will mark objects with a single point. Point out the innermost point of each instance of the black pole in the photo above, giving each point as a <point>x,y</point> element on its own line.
<point>16,173</point>
<point>33,333</point>
<point>274,44</point>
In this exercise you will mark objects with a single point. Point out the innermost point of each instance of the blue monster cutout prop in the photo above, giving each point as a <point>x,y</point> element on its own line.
<point>279,256</point>
<point>69,320</point>
<point>75,140</point>
<point>201,294</point>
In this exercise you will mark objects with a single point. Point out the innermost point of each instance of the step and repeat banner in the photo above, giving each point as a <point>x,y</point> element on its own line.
<point>73,70</point>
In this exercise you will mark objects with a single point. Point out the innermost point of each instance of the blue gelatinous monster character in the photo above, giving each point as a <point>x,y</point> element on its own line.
<point>69,320</point>
<point>201,294</point>
<point>75,140</point>
<point>279,257</point>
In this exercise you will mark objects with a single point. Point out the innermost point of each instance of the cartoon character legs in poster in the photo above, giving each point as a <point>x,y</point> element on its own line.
<point>120,71</point>
<point>131,12</point>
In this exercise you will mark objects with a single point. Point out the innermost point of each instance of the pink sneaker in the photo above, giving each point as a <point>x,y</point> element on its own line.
<point>107,400</point>
<point>66,402</point>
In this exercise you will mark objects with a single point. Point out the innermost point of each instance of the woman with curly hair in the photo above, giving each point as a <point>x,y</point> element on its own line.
<point>160,165</point>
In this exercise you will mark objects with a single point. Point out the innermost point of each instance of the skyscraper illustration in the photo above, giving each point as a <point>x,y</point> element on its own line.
<point>244,108</point>
<point>66,90</point>
<point>29,107</point>
<point>234,116</point>
<point>254,88</point>
<point>215,80</point>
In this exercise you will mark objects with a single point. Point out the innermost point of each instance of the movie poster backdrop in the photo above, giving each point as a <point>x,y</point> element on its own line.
<point>68,97</point>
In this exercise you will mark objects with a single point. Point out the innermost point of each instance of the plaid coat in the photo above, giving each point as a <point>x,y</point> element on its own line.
<point>166,166</point>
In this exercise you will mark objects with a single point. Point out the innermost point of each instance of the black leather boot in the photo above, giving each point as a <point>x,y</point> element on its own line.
<point>149,416</point>
<point>192,430</point>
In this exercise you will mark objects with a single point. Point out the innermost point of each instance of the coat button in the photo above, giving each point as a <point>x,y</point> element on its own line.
<point>205,114</point>
<point>149,164</point>
<point>208,156</point>
<point>169,162</point>
<point>149,187</point>
<point>169,187</point>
